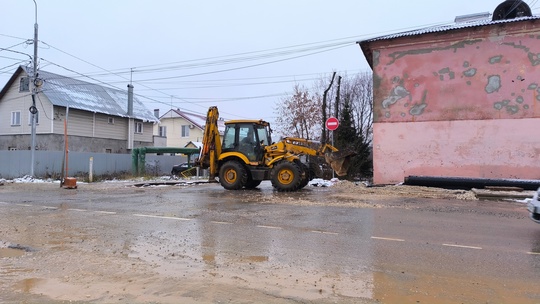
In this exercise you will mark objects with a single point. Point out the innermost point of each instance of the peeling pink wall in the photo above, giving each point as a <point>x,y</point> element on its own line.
<point>465,104</point>
<point>502,148</point>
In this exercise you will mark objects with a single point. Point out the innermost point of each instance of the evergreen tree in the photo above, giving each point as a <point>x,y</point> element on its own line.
<point>349,139</point>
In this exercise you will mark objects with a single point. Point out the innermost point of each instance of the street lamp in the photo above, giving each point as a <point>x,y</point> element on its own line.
<point>33,110</point>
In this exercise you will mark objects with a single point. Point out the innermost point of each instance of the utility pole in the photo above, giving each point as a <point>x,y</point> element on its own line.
<point>323,131</point>
<point>338,98</point>
<point>33,109</point>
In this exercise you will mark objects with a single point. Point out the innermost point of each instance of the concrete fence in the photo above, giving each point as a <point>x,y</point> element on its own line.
<point>15,164</point>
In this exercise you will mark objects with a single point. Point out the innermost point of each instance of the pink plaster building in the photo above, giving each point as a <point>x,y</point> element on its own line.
<point>457,101</point>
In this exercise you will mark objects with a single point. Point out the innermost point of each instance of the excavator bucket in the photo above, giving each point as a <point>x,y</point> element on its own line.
<point>339,161</point>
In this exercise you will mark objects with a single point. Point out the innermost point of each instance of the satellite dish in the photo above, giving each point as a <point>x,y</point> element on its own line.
<point>511,9</point>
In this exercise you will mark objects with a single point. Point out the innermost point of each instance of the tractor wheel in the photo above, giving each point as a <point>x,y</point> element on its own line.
<point>307,176</point>
<point>232,175</point>
<point>287,176</point>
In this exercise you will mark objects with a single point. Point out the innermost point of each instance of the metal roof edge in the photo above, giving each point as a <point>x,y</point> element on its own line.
<point>446,28</point>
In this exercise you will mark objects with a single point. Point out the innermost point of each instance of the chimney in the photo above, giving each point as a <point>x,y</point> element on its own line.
<point>130,100</point>
<point>156,113</point>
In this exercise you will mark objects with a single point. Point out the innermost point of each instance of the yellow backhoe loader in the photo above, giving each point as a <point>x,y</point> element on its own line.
<point>248,156</point>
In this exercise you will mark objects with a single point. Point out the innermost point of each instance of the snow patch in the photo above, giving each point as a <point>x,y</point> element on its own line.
<point>319,182</point>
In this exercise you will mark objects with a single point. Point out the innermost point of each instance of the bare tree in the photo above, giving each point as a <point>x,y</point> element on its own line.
<point>300,114</point>
<point>358,92</point>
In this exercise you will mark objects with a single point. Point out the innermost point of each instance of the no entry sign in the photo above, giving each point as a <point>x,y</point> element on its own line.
<point>332,123</point>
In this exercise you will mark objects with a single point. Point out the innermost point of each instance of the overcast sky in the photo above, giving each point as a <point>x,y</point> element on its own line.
<point>242,55</point>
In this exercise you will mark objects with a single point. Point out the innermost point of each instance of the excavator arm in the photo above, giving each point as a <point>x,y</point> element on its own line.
<point>338,160</point>
<point>211,149</point>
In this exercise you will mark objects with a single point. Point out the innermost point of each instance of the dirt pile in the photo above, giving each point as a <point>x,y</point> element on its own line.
<point>350,189</point>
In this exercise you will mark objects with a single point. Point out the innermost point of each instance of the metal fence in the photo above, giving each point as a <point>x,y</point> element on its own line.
<point>15,164</point>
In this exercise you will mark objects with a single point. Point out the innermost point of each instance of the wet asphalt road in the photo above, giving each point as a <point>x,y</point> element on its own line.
<point>399,251</point>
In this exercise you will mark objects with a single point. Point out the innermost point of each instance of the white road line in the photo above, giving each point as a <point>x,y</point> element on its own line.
<point>222,223</point>
<point>462,246</point>
<point>105,212</point>
<point>269,227</point>
<point>533,253</point>
<point>3,203</point>
<point>75,209</point>
<point>387,239</point>
<point>24,205</point>
<point>50,207</point>
<point>324,232</point>
<point>163,217</point>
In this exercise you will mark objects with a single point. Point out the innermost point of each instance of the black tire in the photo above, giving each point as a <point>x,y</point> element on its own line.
<point>305,175</point>
<point>252,184</point>
<point>232,175</point>
<point>287,176</point>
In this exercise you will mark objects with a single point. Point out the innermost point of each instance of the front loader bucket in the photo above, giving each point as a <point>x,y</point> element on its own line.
<point>339,161</point>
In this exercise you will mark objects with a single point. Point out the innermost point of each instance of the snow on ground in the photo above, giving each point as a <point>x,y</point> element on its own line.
<point>27,179</point>
<point>319,182</point>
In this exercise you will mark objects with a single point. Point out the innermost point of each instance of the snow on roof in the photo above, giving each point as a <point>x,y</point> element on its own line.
<point>64,91</point>
<point>197,144</point>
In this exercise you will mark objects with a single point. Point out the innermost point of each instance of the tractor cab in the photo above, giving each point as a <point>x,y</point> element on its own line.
<point>248,137</point>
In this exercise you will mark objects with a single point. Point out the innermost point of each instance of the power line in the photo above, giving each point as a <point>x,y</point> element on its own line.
<point>9,66</point>
<point>238,68</point>
<point>14,37</point>
<point>259,55</point>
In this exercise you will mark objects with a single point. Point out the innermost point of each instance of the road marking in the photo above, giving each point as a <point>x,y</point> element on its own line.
<point>269,227</point>
<point>3,203</point>
<point>163,217</point>
<point>533,253</point>
<point>222,223</point>
<point>324,232</point>
<point>24,205</point>
<point>387,239</point>
<point>462,246</point>
<point>105,212</point>
<point>75,209</point>
<point>50,207</point>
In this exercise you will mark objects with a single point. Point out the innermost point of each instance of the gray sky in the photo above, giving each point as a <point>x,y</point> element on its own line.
<point>243,56</point>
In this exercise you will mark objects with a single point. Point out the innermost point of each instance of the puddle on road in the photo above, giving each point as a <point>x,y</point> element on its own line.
<point>223,261</point>
<point>11,252</point>
<point>27,285</point>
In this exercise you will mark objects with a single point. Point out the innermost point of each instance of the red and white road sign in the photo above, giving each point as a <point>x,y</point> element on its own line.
<point>332,123</point>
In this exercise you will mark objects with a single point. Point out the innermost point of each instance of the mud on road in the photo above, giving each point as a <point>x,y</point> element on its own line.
<point>48,254</point>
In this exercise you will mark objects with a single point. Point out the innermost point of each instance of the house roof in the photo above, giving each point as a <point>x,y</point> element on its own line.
<point>365,44</point>
<point>63,91</point>
<point>197,144</point>
<point>198,120</point>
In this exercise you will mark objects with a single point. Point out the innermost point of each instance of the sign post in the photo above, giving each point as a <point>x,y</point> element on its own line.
<point>332,124</point>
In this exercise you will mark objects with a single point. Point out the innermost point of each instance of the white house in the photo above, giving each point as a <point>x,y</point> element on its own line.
<point>182,127</point>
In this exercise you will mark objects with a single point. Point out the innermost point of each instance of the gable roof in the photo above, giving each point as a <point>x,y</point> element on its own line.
<point>365,44</point>
<point>63,91</point>
<point>198,120</point>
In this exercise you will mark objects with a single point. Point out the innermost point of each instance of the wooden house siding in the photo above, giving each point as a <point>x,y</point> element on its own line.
<point>16,101</point>
<point>115,130</point>
<point>13,102</point>
<point>80,123</point>
<point>147,134</point>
